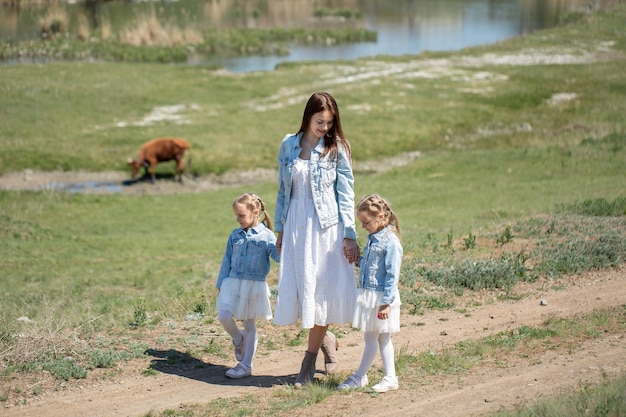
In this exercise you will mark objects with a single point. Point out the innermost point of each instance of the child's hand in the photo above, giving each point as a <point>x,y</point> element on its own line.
<point>383,312</point>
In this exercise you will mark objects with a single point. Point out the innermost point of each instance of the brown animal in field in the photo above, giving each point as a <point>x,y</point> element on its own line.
<point>160,150</point>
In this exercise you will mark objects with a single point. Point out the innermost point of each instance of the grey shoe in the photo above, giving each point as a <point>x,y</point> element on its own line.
<point>239,371</point>
<point>353,381</point>
<point>307,370</point>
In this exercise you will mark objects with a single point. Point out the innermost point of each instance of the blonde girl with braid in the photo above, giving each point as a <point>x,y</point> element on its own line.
<point>243,291</point>
<point>377,311</point>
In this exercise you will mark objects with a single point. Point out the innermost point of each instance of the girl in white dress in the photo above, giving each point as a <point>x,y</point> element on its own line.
<point>243,291</point>
<point>377,311</point>
<point>316,231</point>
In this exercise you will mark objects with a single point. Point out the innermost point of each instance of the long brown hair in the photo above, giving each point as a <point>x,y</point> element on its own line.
<point>320,102</point>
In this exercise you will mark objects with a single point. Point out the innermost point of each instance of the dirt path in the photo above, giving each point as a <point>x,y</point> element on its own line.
<point>484,389</point>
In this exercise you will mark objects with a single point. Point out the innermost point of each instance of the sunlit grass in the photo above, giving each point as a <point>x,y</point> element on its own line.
<point>75,116</point>
<point>607,398</point>
<point>503,177</point>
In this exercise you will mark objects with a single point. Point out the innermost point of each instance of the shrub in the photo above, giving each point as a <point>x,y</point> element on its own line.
<point>65,368</point>
<point>501,273</point>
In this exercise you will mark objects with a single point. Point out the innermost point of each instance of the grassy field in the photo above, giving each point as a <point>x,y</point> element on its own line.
<point>507,132</point>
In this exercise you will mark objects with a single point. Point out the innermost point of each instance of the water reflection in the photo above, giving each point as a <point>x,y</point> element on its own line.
<point>411,27</point>
<point>403,26</point>
<point>82,187</point>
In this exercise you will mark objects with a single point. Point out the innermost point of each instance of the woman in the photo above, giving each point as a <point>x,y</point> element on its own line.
<point>316,231</point>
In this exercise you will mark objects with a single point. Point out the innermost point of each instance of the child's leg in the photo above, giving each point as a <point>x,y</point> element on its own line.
<point>369,353</point>
<point>249,326</point>
<point>390,380</point>
<point>387,354</point>
<point>359,378</point>
<point>226,318</point>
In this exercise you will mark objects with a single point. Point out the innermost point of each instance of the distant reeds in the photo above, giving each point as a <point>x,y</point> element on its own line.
<point>54,23</point>
<point>148,30</point>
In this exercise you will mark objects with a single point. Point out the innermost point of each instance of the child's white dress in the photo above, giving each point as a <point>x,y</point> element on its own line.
<point>316,282</point>
<point>245,299</point>
<point>366,312</point>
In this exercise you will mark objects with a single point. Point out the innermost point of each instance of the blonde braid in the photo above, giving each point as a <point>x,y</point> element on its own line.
<point>374,204</point>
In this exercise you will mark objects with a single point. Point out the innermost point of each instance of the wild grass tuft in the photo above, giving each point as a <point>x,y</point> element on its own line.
<point>140,315</point>
<point>608,398</point>
<point>501,273</point>
<point>570,244</point>
<point>65,368</point>
<point>597,207</point>
<point>420,303</point>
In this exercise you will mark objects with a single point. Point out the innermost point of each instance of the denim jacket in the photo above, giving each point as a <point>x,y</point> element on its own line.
<point>380,264</point>
<point>332,185</point>
<point>247,254</point>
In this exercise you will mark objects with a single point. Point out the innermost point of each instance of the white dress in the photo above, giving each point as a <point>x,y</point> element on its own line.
<point>245,299</point>
<point>316,283</point>
<point>366,312</point>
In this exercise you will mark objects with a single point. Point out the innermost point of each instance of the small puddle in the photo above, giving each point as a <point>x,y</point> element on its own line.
<point>82,187</point>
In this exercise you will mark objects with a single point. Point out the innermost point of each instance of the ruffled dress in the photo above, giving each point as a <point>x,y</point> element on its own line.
<point>366,312</point>
<point>316,283</point>
<point>245,299</point>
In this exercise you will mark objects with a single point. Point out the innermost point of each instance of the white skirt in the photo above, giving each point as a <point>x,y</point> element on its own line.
<point>245,299</point>
<point>366,313</point>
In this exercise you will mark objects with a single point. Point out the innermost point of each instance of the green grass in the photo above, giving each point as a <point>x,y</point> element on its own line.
<point>499,164</point>
<point>607,398</point>
<point>90,115</point>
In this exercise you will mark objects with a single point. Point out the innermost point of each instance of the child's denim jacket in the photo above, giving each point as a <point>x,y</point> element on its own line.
<point>247,254</point>
<point>380,264</point>
<point>332,185</point>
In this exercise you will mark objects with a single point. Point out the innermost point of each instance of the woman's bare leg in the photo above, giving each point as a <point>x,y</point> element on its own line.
<point>316,337</point>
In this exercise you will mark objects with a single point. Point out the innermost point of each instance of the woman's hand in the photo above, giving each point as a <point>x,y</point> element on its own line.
<point>351,250</point>
<point>279,241</point>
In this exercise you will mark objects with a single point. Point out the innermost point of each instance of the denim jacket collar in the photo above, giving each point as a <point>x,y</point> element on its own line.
<point>319,148</point>
<point>254,230</point>
<point>381,234</point>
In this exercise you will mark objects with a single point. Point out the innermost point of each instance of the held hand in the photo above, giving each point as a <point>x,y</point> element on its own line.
<point>279,241</point>
<point>351,250</point>
<point>383,312</point>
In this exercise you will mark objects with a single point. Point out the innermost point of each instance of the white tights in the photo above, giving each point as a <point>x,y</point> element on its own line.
<point>250,333</point>
<point>374,341</point>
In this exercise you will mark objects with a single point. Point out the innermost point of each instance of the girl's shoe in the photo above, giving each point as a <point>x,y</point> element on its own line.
<point>353,381</point>
<point>388,383</point>
<point>239,371</point>
<point>240,349</point>
<point>329,349</point>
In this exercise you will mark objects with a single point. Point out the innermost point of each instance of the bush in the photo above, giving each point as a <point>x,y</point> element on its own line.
<point>65,368</point>
<point>501,273</point>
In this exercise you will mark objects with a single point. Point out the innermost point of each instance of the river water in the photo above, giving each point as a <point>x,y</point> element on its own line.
<point>427,25</point>
<point>402,26</point>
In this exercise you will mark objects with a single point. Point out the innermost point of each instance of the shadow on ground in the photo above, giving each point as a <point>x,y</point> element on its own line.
<point>174,362</point>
